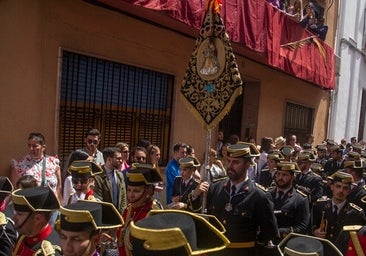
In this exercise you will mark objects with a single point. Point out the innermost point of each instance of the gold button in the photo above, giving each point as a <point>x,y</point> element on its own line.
<point>147,245</point>
<point>350,248</point>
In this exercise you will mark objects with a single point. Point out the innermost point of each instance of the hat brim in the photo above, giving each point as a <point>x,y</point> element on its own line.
<point>176,231</point>
<point>328,247</point>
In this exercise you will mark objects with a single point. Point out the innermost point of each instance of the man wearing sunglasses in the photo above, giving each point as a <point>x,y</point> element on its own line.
<point>92,141</point>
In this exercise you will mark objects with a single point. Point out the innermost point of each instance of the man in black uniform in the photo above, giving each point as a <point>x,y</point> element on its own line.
<point>307,181</point>
<point>330,215</point>
<point>291,207</point>
<point>336,162</point>
<point>243,207</point>
<point>358,191</point>
<point>266,176</point>
<point>184,184</point>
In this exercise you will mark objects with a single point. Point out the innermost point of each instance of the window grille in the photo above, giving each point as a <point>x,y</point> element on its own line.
<point>298,121</point>
<point>125,103</point>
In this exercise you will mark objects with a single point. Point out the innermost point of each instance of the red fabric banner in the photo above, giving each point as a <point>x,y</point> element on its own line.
<point>262,28</point>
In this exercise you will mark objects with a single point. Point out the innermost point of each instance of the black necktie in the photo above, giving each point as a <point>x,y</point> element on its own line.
<point>335,211</point>
<point>280,195</point>
<point>233,190</point>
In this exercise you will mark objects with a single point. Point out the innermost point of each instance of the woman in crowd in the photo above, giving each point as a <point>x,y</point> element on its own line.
<point>44,168</point>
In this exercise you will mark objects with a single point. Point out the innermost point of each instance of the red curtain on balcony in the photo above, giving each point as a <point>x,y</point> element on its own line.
<point>263,28</point>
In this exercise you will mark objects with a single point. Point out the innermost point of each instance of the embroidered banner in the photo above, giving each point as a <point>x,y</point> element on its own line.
<point>212,80</point>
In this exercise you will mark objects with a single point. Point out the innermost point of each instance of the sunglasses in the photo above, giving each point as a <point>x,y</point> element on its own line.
<point>95,142</point>
<point>77,180</point>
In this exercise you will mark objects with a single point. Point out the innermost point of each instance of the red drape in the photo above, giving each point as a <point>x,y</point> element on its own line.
<point>263,28</point>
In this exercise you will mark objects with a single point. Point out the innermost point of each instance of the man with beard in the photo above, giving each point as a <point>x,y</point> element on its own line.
<point>242,206</point>
<point>291,207</point>
<point>92,141</point>
<point>307,181</point>
<point>331,215</point>
<point>109,186</point>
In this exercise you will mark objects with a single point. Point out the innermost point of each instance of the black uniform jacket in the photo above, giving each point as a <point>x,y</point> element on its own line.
<point>244,214</point>
<point>183,191</point>
<point>311,184</point>
<point>291,211</point>
<point>350,214</point>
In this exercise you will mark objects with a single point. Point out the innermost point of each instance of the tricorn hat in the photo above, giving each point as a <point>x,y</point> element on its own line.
<point>342,176</point>
<point>317,167</point>
<point>287,150</point>
<point>242,149</point>
<point>353,155</point>
<point>174,232</point>
<point>305,156</point>
<point>356,164</point>
<point>84,169</point>
<point>143,174</point>
<point>35,199</point>
<point>321,147</point>
<point>5,187</point>
<point>189,161</point>
<point>86,215</point>
<point>288,166</point>
<point>299,245</point>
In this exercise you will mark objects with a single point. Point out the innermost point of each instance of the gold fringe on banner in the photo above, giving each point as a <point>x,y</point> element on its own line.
<point>212,80</point>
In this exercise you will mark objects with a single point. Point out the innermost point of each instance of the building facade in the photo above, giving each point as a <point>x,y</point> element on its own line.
<point>73,65</point>
<point>348,105</point>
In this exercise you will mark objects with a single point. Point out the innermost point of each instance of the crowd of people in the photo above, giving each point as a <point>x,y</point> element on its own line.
<point>246,199</point>
<point>306,16</point>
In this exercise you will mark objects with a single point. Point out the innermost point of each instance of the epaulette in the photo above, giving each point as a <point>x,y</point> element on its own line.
<point>218,179</point>
<point>317,175</point>
<point>261,187</point>
<point>301,193</point>
<point>3,219</point>
<point>352,228</point>
<point>363,199</point>
<point>322,199</point>
<point>48,249</point>
<point>356,207</point>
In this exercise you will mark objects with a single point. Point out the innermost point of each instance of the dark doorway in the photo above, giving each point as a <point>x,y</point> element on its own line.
<point>231,123</point>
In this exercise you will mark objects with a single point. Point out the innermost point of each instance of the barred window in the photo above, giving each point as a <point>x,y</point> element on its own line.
<point>125,103</point>
<point>298,121</point>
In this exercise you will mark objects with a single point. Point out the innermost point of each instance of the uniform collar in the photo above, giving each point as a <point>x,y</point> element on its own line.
<point>45,232</point>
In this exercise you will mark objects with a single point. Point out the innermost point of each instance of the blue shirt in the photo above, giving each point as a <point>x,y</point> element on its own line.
<point>171,171</point>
